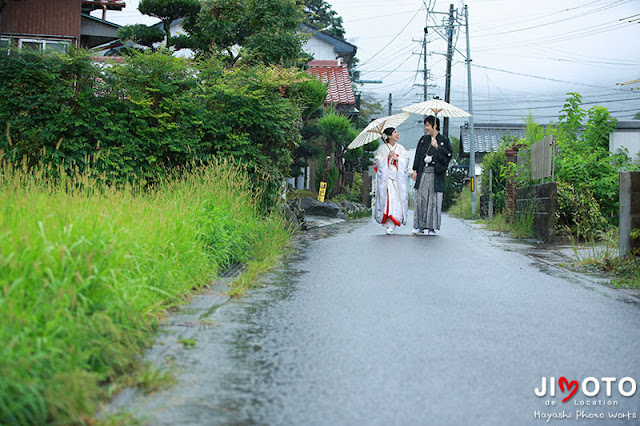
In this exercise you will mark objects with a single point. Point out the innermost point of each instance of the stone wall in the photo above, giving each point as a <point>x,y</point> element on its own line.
<point>541,202</point>
<point>484,206</point>
<point>629,211</point>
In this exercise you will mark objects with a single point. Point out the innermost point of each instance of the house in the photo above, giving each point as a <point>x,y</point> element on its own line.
<point>487,137</point>
<point>47,24</point>
<point>332,59</point>
<point>323,46</point>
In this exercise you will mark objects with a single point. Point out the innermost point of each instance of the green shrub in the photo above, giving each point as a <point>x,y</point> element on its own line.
<point>496,161</point>
<point>453,186</point>
<point>353,193</point>
<point>462,206</point>
<point>578,213</point>
<point>635,237</point>
<point>332,178</point>
<point>140,120</point>
<point>583,158</point>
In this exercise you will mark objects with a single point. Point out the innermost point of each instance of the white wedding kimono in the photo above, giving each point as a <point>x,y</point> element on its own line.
<point>391,190</point>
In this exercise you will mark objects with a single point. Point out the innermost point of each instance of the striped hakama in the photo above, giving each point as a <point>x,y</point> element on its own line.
<point>428,205</point>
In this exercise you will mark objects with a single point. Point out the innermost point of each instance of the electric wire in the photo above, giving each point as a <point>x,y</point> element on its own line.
<point>396,36</point>
<point>563,20</point>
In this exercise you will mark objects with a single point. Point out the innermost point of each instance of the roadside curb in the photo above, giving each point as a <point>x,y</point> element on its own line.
<point>559,256</point>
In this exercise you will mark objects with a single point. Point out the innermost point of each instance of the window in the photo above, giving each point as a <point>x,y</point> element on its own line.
<point>31,44</point>
<point>5,43</point>
<point>55,45</point>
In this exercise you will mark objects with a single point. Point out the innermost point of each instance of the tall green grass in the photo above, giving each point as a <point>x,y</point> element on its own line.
<point>87,270</point>
<point>461,207</point>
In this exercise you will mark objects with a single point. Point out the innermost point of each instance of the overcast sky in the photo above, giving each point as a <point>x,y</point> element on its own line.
<point>527,54</point>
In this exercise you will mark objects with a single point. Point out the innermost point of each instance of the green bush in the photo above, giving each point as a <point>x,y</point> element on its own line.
<point>635,237</point>
<point>332,178</point>
<point>353,193</point>
<point>496,162</point>
<point>154,113</point>
<point>461,206</point>
<point>583,158</point>
<point>453,186</point>
<point>578,213</point>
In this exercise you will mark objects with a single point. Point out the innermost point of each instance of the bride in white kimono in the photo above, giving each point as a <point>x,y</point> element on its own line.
<point>391,163</point>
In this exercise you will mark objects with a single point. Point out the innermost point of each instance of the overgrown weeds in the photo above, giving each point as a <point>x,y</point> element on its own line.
<point>601,252</point>
<point>461,207</point>
<point>88,269</point>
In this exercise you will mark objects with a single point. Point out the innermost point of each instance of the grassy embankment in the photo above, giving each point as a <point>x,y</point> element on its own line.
<point>87,270</point>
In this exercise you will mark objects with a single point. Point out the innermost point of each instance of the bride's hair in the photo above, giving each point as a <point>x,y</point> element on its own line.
<point>387,132</point>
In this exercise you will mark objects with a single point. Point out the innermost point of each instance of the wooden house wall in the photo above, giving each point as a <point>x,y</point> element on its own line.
<point>57,18</point>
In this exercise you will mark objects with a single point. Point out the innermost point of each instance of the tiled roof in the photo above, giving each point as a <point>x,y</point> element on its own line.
<point>337,74</point>
<point>488,135</point>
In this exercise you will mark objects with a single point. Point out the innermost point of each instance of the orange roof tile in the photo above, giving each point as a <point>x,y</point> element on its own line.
<point>337,74</point>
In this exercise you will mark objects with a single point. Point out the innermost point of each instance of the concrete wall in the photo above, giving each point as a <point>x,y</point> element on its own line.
<point>320,49</point>
<point>541,201</point>
<point>629,210</point>
<point>627,135</point>
<point>627,140</point>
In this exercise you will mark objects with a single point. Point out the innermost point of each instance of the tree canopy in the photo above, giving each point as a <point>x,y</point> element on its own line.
<point>141,34</point>
<point>320,15</point>
<point>168,11</point>
<point>257,31</point>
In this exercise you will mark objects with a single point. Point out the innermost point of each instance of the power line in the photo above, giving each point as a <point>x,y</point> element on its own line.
<point>564,20</point>
<point>501,25</point>
<point>396,36</point>
<point>539,77</point>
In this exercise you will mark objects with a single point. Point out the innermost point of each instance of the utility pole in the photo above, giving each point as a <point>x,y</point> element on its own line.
<point>472,148</point>
<point>424,58</point>
<point>447,86</point>
<point>390,104</point>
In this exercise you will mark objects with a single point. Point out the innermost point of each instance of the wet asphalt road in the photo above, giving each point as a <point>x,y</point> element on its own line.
<point>360,328</point>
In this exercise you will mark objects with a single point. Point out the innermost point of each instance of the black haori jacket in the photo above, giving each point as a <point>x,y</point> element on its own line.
<point>440,161</point>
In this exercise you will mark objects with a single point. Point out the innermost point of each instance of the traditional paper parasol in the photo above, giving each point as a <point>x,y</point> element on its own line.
<point>374,129</point>
<point>436,107</point>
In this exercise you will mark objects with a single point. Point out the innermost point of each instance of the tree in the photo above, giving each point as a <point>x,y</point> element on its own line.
<point>168,11</point>
<point>257,31</point>
<point>637,116</point>
<point>320,15</point>
<point>337,131</point>
<point>141,34</point>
